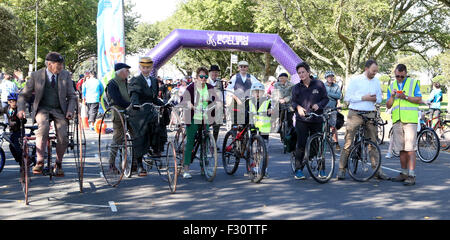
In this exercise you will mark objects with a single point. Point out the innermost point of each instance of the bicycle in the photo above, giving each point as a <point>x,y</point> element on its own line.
<point>428,143</point>
<point>245,141</point>
<point>441,127</point>
<point>319,152</point>
<point>122,165</point>
<point>204,140</point>
<point>364,159</point>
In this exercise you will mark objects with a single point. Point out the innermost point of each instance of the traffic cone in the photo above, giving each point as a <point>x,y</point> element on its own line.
<point>97,126</point>
<point>84,116</point>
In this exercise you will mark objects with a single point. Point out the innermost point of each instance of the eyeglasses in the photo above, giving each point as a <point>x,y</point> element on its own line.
<point>203,76</point>
<point>399,76</point>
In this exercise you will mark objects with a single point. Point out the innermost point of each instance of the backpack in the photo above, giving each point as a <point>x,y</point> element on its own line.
<point>290,140</point>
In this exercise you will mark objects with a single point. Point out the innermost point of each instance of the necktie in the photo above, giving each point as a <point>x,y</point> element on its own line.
<point>53,81</point>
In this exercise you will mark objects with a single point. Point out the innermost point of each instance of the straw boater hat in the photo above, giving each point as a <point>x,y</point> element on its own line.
<point>146,61</point>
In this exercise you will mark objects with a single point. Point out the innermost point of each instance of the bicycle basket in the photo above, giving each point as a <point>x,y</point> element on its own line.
<point>339,120</point>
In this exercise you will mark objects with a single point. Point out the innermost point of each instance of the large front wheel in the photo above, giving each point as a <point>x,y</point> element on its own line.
<point>320,158</point>
<point>364,160</point>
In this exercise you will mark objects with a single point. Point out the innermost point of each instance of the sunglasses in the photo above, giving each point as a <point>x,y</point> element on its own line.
<point>399,76</point>
<point>243,66</point>
<point>203,76</point>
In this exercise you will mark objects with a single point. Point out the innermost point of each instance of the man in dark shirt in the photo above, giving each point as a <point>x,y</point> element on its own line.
<point>309,95</point>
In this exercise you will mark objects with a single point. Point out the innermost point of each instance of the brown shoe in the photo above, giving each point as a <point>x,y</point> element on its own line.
<point>411,180</point>
<point>37,169</point>
<point>142,172</point>
<point>382,176</point>
<point>338,148</point>
<point>400,178</point>
<point>58,172</point>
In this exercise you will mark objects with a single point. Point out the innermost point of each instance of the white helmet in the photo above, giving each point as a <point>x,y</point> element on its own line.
<point>257,86</point>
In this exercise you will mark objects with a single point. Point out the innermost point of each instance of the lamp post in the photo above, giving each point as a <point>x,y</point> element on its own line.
<point>36,38</point>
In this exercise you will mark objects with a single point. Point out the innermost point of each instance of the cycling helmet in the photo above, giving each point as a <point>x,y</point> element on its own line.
<point>13,96</point>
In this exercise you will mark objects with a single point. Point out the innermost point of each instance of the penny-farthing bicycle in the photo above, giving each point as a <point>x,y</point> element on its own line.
<point>76,140</point>
<point>116,153</point>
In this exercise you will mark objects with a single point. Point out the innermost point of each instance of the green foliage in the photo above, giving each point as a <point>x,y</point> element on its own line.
<point>11,43</point>
<point>142,38</point>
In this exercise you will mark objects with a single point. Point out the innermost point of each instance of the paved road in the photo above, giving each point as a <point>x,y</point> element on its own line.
<point>228,197</point>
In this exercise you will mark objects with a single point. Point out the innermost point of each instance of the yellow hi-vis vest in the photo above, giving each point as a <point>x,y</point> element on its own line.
<point>260,118</point>
<point>402,109</point>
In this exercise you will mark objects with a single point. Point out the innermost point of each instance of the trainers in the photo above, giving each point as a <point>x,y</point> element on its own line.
<point>411,180</point>
<point>322,174</point>
<point>187,175</point>
<point>400,178</point>
<point>388,155</point>
<point>299,175</point>
<point>341,175</point>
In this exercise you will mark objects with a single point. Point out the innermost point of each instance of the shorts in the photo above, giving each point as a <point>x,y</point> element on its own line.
<point>404,137</point>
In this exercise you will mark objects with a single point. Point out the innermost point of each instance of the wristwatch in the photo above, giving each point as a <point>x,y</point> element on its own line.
<point>406,97</point>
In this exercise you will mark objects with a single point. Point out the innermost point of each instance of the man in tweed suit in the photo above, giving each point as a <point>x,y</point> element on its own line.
<point>55,100</point>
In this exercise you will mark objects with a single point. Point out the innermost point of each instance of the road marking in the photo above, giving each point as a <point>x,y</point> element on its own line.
<point>113,206</point>
<point>339,155</point>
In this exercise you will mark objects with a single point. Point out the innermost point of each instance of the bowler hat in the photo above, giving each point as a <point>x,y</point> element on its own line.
<point>214,68</point>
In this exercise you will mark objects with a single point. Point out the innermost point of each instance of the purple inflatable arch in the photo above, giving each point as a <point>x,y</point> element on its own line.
<point>229,41</point>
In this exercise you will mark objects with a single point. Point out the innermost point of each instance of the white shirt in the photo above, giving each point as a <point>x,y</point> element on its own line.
<point>50,74</point>
<point>7,87</point>
<point>244,78</point>
<point>149,81</point>
<point>360,86</point>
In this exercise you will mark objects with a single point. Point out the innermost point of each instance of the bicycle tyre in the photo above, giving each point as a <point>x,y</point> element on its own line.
<point>424,141</point>
<point>358,158</point>
<point>77,143</point>
<point>394,153</point>
<point>2,159</point>
<point>129,164</point>
<point>229,153</point>
<point>208,157</point>
<point>315,146</point>
<point>258,154</point>
<point>284,132</point>
<point>24,178</point>
<point>179,138</point>
<point>113,176</point>
<point>170,165</point>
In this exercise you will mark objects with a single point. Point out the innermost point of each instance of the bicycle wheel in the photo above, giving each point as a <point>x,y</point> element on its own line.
<point>230,157</point>
<point>320,158</point>
<point>380,136</point>
<point>129,164</point>
<point>283,134</point>
<point>292,160</point>
<point>394,153</point>
<point>113,153</point>
<point>208,157</point>
<point>77,144</point>
<point>2,159</point>
<point>257,163</point>
<point>180,135</point>
<point>445,140</point>
<point>428,145</point>
<point>364,160</point>
<point>171,166</point>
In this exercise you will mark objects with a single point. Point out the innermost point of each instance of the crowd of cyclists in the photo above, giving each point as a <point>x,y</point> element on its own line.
<point>241,100</point>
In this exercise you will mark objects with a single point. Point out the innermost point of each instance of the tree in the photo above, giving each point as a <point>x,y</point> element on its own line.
<point>142,38</point>
<point>11,43</point>
<point>343,34</point>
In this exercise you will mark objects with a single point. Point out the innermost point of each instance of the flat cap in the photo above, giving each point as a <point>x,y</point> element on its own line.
<point>243,63</point>
<point>119,66</point>
<point>146,61</point>
<point>54,57</point>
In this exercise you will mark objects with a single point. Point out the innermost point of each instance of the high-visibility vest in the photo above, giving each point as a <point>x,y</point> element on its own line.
<point>261,120</point>
<point>402,109</point>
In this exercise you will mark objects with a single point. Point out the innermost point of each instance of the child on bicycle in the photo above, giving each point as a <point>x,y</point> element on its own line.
<point>261,109</point>
<point>15,126</point>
